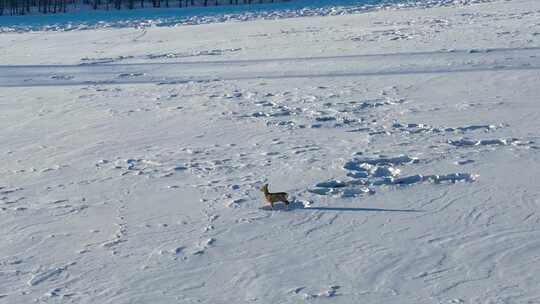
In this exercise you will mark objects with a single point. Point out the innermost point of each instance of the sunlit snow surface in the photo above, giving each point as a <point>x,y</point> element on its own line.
<point>407,138</point>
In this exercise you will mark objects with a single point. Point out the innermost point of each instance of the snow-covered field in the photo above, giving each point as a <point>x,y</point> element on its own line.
<point>409,139</point>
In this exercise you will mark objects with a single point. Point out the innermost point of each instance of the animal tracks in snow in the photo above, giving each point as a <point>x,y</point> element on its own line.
<point>331,291</point>
<point>143,167</point>
<point>410,166</point>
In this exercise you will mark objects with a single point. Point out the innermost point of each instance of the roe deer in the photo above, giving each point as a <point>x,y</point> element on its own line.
<point>275,197</point>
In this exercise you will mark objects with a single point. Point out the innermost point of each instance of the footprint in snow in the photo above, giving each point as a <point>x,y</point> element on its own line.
<point>235,203</point>
<point>204,246</point>
<point>328,293</point>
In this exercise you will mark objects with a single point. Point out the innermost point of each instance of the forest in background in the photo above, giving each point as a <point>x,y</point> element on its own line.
<point>24,7</point>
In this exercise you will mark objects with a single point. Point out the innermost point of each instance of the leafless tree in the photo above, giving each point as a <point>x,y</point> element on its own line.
<point>23,7</point>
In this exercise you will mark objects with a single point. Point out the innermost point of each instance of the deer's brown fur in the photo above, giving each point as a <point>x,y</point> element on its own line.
<point>275,197</point>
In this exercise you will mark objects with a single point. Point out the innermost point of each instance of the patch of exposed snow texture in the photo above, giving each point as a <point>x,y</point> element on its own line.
<point>407,141</point>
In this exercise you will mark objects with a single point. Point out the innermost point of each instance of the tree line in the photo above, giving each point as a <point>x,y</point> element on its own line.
<point>25,7</point>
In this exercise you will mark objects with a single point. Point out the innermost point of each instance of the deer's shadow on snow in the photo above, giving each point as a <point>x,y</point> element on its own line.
<point>298,206</point>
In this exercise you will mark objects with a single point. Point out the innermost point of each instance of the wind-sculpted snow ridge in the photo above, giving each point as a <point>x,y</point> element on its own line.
<point>177,17</point>
<point>466,142</point>
<point>366,174</point>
